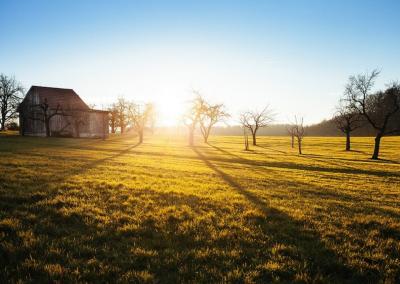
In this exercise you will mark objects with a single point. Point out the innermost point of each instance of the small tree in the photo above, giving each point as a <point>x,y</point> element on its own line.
<point>291,131</point>
<point>138,117</point>
<point>209,116</point>
<point>254,120</point>
<point>347,120</point>
<point>122,113</point>
<point>113,117</point>
<point>11,93</point>
<point>298,132</point>
<point>192,116</point>
<point>380,109</point>
<point>246,140</point>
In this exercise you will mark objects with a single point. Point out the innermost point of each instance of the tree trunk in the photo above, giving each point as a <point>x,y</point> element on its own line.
<point>3,122</point>
<point>112,127</point>
<point>206,135</point>
<point>347,140</point>
<point>191,139</point>
<point>254,139</point>
<point>299,142</point>
<point>292,141</point>
<point>140,137</point>
<point>47,126</point>
<point>246,142</point>
<point>378,137</point>
<point>22,125</point>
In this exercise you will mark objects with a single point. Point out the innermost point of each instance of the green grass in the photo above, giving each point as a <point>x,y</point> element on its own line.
<point>80,210</point>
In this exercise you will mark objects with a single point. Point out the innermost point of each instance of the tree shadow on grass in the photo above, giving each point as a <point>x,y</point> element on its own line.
<point>289,165</point>
<point>120,249</point>
<point>320,261</point>
<point>92,164</point>
<point>223,151</point>
<point>379,161</point>
<point>272,149</point>
<point>40,186</point>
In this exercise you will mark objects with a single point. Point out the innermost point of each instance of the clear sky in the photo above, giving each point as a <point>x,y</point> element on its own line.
<point>295,55</point>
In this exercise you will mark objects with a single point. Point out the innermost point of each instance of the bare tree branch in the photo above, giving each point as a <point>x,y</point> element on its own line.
<point>380,109</point>
<point>254,120</point>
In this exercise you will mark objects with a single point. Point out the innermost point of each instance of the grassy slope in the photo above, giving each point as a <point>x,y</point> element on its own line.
<point>84,210</point>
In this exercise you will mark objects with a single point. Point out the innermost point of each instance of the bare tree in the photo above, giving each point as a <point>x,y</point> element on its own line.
<point>138,117</point>
<point>298,132</point>
<point>209,116</point>
<point>254,120</point>
<point>11,93</point>
<point>122,113</point>
<point>192,117</point>
<point>291,131</point>
<point>113,117</point>
<point>347,120</point>
<point>42,112</point>
<point>379,109</point>
<point>246,139</point>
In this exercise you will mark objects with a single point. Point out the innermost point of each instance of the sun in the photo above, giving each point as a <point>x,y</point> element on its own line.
<point>170,112</point>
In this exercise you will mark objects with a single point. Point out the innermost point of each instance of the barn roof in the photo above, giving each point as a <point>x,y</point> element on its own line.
<point>66,98</point>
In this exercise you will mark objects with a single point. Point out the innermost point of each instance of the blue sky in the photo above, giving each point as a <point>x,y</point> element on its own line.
<point>294,55</point>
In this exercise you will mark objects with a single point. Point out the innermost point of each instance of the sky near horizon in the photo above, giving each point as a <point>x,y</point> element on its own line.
<point>295,56</point>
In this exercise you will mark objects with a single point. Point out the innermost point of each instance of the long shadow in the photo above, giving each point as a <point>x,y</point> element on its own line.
<point>380,161</point>
<point>19,145</point>
<point>101,252</point>
<point>325,193</point>
<point>62,174</point>
<point>284,229</point>
<point>357,204</point>
<point>272,149</point>
<point>283,165</point>
<point>288,165</point>
<point>223,151</point>
<point>92,164</point>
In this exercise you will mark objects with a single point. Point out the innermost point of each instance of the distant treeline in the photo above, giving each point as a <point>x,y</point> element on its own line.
<point>324,128</point>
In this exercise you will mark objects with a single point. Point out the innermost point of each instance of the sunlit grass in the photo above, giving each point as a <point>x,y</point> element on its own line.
<point>91,210</point>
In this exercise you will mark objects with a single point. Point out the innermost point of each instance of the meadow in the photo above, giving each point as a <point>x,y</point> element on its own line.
<point>81,210</point>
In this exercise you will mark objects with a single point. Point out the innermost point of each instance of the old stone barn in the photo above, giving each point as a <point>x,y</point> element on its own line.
<point>60,112</point>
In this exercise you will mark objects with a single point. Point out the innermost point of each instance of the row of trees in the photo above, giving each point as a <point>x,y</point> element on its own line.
<point>205,115</point>
<point>127,115</point>
<point>360,105</point>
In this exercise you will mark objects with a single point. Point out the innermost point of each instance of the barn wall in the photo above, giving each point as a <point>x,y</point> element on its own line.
<point>30,126</point>
<point>96,125</point>
<point>61,126</point>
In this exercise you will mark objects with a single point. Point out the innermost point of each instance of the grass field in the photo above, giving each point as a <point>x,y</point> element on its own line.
<point>78,210</point>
